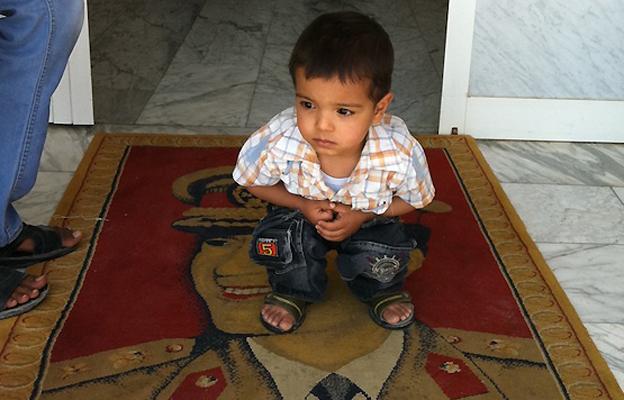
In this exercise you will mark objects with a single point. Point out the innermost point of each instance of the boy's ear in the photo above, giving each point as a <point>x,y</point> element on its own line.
<point>381,107</point>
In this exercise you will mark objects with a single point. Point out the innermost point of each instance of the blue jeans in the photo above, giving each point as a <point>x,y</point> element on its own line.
<point>372,261</point>
<point>36,39</point>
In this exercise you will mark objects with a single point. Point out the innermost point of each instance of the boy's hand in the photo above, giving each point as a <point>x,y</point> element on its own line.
<point>316,211</point>
<point>345,224</point>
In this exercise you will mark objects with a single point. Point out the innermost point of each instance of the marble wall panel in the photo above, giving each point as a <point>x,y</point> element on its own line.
<point>548,49</point>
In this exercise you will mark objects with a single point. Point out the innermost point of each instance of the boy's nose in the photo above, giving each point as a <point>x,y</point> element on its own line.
<point>323,122</point>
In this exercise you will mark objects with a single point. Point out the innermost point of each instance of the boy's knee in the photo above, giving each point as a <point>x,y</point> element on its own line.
<point>381,262</point>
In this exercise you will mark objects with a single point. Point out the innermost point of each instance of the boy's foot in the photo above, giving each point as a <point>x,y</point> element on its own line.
<point>392,311</point>
<point>277,317</point>
<point>397,312</point>
<point>38,243</point>
<point>281,313</point>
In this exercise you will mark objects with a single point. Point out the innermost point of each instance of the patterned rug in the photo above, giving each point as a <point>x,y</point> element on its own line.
<point>161,300</point>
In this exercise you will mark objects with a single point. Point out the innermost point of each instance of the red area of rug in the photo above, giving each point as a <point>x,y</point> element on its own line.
<point>138,288</point>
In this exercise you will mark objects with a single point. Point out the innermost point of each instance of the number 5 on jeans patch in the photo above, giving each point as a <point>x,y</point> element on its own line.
<point>267,247</point>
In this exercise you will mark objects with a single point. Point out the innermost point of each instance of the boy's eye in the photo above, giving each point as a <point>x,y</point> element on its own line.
<point>344,111</point>
<point>306,104</point>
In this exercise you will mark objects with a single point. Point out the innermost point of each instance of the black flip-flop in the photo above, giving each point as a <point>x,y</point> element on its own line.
<point>379,304</point>
<point>9,280</point>
<point>48,244</point>
<point>294,306</point>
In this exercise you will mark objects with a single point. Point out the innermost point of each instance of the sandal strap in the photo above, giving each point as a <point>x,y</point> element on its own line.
<point>293,306</point>
<point>45,239</point>
<point>378,304</point>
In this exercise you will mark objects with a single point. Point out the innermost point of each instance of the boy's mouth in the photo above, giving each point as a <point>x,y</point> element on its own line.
<point>324,143</point>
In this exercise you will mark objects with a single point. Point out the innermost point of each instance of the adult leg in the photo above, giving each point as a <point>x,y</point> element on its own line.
<point>294,255</point>
<point>374,262</point>
<point>36,38</point>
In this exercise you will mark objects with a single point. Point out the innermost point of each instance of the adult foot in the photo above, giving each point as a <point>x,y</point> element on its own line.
<point>35,244</point>
<point>68,237</point>
<point>28,289</point>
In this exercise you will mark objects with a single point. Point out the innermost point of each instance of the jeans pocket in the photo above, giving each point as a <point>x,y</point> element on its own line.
<point>278,248</point>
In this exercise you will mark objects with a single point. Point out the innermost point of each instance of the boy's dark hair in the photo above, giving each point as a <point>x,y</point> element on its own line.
<point>349,45</point>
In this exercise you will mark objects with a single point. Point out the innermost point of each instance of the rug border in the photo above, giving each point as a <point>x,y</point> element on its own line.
<point>604,372</point>
<point>605,375</point>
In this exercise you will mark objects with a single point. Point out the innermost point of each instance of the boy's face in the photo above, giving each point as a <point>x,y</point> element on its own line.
<point>334,117</point>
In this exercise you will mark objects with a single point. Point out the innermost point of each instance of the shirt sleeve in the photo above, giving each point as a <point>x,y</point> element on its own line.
<point>417,187</point>
<point>255,165</point>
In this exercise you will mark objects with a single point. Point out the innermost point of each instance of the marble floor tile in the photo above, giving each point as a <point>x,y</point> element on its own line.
<point>389,13</point>
<point>569,214</point>
<point>274,90</point>
<point>594,164</point>
<point>39,205</point>
<point>212,77</point>
<point>416,84</point>
<point>290,17</point>
<point>175,129</point>
<point>431,17</point>
<point>592,276</point>
<point>132,44</point>
<point>609,338</point>
<point>64,147</point>
<point>619,191</point>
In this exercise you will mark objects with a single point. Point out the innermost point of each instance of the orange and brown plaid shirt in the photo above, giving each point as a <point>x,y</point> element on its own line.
<point>392,164</point>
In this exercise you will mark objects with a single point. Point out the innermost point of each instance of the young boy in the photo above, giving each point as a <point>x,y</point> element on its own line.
<point>337,173</point>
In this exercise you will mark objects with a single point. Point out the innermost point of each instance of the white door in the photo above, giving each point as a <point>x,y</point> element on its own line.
<point>571,119</point>
<point>72,102</point>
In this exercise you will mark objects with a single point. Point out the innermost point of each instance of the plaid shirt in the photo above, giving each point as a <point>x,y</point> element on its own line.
<point>392,164</point>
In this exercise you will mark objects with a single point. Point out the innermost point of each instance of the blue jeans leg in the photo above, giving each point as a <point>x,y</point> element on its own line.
<point>374,260</point>
<point>36,38</point>
<point>294,254</point>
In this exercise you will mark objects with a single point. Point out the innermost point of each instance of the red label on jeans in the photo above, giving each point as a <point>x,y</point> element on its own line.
<point>267,247</point>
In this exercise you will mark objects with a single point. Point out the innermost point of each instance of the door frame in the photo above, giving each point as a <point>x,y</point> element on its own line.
<point>72,102</point>
<point>514,118</point>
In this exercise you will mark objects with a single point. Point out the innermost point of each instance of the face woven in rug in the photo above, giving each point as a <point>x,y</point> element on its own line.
<point>161,301</point>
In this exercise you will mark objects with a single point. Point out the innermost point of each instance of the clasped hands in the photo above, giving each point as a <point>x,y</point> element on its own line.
<point>333,221</point>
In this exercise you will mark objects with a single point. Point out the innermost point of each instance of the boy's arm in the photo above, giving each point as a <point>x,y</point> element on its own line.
<point>398,207</point>
<point>277,195</point>
<point>313,210</point>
